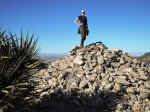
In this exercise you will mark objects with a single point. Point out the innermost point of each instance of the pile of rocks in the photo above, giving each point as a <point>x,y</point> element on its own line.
<point>96,76</point>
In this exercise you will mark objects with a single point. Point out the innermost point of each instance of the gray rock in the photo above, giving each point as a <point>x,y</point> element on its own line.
<point>44,94</point>
<point>100,60</point>
<point>111,79</point>
<point>72,84</point>
<point>144,95</point>
<point>130,90</point>
<point>123,81</point>
<point>122,61</point>
<point>83,84</point>
<point>101,69</point>
<point>147,108</point>
<point>78,60</point>
<point>147,84</point>
<point>109,86</point>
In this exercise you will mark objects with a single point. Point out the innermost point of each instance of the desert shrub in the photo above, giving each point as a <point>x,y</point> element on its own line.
<point>17,56</point>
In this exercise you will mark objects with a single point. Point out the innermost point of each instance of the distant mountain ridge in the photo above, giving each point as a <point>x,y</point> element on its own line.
<point>51,54</point>
<point>136,53</point>
<point>145,58</point>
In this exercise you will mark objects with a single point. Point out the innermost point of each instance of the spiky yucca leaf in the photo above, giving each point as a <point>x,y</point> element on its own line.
<point>16,55</point>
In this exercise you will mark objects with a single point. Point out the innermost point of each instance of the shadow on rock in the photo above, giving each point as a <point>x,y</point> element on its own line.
<point>72,101</point>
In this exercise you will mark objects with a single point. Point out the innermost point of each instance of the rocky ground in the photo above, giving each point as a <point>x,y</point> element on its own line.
<point>93,79</point>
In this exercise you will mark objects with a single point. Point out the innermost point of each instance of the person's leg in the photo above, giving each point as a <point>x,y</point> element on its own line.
<point>82,41</point>
<point>83,36</point>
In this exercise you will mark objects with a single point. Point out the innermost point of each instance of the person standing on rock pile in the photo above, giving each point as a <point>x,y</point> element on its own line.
<point>81,21</point>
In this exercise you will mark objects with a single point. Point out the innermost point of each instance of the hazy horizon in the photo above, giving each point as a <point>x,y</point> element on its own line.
<point>63,54</point>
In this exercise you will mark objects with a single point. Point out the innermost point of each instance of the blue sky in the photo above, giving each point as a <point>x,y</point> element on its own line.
<point>123,24</point>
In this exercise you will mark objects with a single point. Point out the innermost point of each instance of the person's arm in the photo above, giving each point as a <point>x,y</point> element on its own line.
<point>77,21</point>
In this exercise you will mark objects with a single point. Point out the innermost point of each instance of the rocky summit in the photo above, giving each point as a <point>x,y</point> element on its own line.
<point>95,79</point>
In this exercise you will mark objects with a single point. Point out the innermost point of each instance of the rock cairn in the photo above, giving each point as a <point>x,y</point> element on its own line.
<point>96,76</point>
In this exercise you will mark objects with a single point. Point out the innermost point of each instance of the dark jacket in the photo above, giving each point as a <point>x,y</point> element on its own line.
<point>83,29</point>
<point>83,20</point>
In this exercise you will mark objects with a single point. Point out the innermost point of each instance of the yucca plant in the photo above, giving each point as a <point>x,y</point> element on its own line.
<point>17,55</point>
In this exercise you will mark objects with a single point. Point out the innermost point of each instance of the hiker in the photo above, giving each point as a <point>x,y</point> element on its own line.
<point>81,21</point>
